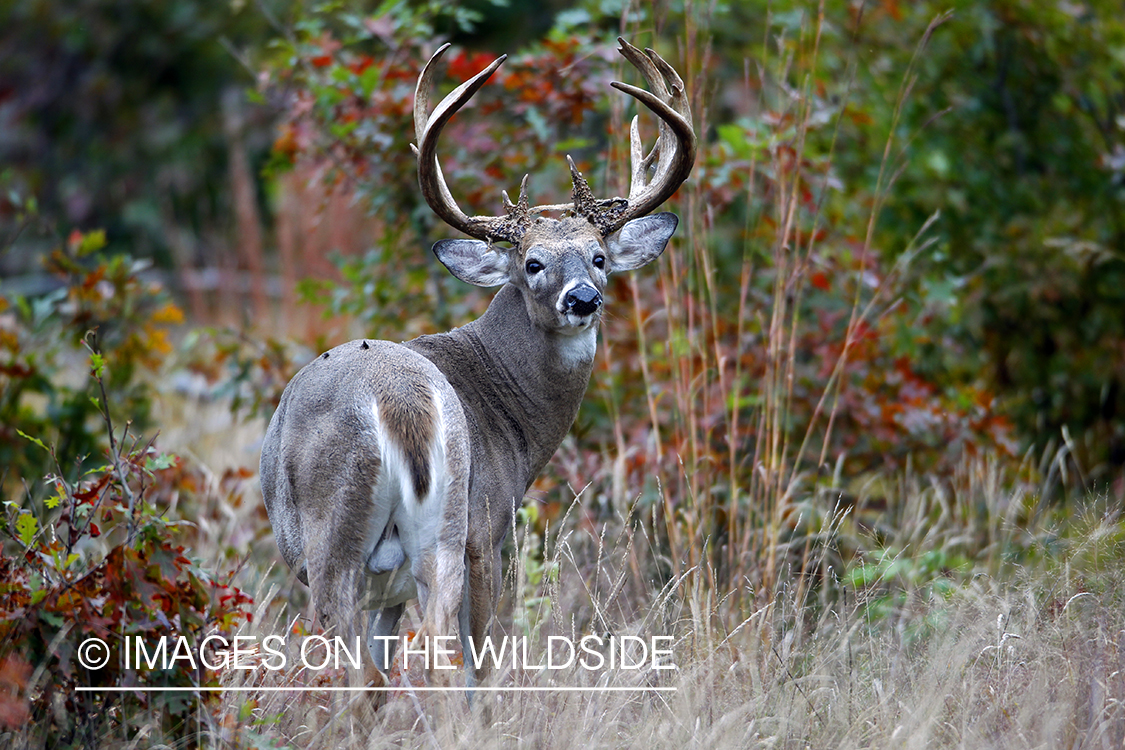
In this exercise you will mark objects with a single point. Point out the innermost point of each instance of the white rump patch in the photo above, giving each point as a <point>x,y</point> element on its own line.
<point>417,519</point>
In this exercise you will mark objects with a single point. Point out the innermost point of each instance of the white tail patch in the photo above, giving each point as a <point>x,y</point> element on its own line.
<point>414,521</point>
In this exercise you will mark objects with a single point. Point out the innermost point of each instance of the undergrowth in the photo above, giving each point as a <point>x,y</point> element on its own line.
<point>912,654</point>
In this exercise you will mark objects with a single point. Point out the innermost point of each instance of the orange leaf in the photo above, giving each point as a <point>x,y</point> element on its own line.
<point>169,313</point>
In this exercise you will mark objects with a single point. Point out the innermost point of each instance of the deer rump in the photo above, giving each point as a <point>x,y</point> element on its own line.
<point>364,474</point>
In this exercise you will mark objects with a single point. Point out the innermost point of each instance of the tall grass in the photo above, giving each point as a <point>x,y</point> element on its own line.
<point>737,465</point>
<point>1026,659</point>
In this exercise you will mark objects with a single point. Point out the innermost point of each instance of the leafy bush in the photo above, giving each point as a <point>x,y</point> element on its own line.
<point>105,302</point>
<point>94,555</point>
<point>1024,285</point>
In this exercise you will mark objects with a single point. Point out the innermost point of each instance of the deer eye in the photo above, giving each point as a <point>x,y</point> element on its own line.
<point>599,261</point>
<point>533,266</point>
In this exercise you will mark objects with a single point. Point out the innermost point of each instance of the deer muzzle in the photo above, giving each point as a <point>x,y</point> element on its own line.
<point>582,300</point>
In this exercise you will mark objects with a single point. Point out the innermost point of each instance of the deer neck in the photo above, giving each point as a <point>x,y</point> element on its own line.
<point>520,386</point>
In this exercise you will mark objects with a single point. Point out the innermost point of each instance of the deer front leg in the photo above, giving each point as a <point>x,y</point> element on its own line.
<point>465,628</point>
<point>482,576</point>
<point>382,625</point>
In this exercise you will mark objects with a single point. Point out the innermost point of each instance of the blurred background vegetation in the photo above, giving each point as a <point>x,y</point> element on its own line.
<point>899,283</point>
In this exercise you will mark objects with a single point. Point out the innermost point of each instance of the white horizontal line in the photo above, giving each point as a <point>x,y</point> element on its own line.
<point>422,689</point>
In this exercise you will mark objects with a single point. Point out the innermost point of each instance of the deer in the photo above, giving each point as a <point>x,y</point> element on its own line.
<point>392,471</point>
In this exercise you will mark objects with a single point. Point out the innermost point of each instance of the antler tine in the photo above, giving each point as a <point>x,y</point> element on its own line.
<point>674,165</point>
<point>422,95</point>
<point>521,203</point>
<point>645,64</point>
<point>678,101</point>
<point>655,71</point>
<point>428,130</point>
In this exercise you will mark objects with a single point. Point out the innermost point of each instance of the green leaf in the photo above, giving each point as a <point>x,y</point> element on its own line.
<point>97,363</point>
<point>342,130</point>
<point>37,441</point>
<point>53,501</point>
<point>369,79</point>
<point>91,242</point>
<point>26,527</point>
<point>163,461</point>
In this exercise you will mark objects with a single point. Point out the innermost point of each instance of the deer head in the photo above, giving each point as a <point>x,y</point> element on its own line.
<point>562,264</point>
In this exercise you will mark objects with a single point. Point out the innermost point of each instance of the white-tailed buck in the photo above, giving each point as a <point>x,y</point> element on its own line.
<point>393,471</point>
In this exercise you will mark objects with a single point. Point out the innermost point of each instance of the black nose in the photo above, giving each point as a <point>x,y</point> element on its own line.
<point>583,300</point>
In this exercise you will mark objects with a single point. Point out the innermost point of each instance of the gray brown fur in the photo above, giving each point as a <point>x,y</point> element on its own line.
<point>321,467</point>
<point>407,409</point>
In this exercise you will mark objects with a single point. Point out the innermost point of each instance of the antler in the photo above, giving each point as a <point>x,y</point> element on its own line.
<point>432,181</point>
<point>674,151</point>
<point>674,154</point>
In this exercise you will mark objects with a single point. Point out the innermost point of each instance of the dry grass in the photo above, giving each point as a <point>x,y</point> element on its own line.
<point>952,644</point>
<point>1028,661</point>
<point>1020,657</point>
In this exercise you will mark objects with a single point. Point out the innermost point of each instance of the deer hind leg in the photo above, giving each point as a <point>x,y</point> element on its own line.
<point>338,535</point>
<point>441,579</point>
<point>336,581</point>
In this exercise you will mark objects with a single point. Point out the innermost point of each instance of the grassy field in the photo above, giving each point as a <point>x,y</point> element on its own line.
<point>900,652</point>
<point>1030,658</point>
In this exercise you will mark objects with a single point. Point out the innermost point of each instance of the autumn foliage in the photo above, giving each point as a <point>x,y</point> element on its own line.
<point>97,556</point>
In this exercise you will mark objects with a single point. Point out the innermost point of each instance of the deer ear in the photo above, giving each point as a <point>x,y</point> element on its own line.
<point>473,261</point>
<point>640,241</point>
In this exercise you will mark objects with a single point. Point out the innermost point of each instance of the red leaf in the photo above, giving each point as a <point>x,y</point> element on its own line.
<point>465,65</point>
<point>362,64</point>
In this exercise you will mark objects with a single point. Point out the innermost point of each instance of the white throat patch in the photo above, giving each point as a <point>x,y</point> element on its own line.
<point>578,348</point>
